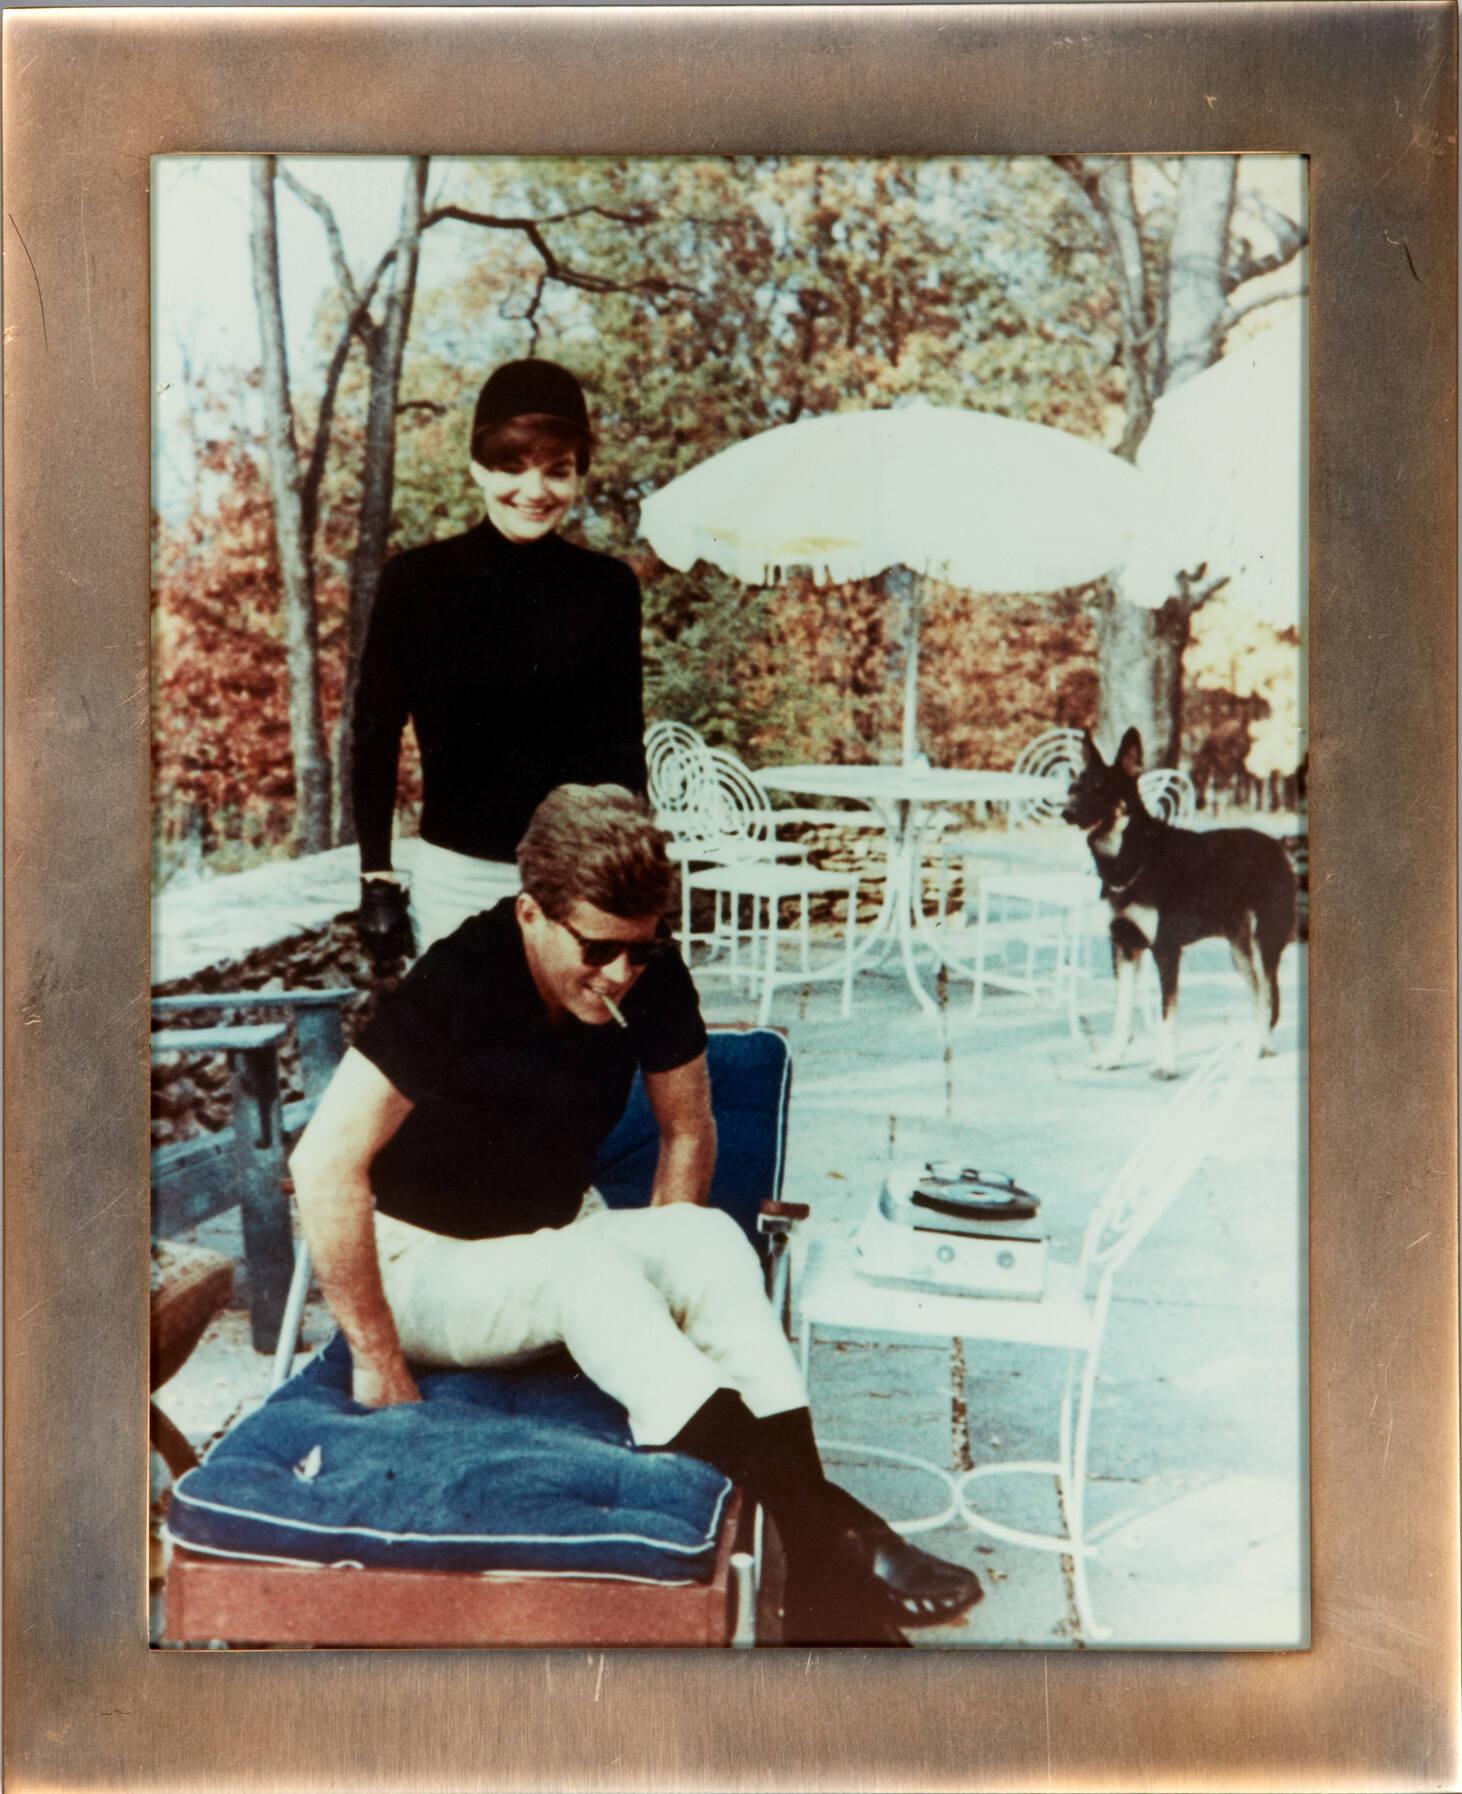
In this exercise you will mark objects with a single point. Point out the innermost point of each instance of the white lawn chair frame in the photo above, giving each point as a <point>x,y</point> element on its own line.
<point>750,865</point>
<point>684,791</point>
<point>677,774</point>
<point>1168,793</point>
<point>1033,825</point>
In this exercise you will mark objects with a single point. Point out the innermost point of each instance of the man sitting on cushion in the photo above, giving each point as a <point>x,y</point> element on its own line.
<point>443,1185</point>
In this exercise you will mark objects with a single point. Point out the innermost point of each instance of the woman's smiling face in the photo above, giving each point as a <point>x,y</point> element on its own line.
<point>528,496</point>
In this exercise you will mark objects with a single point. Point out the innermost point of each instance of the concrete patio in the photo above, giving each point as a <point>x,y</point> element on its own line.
<point>1197,1490</point>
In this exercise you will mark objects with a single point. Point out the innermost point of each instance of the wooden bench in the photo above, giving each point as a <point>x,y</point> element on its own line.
<point>247,1163</point>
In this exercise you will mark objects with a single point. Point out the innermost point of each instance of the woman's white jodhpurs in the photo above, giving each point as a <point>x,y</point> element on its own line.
<point>659,1306</point>
<point>447,888</point>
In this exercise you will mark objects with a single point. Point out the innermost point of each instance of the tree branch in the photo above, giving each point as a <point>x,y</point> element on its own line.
<point>325,213</point>
<point>314,472</point>
<point>320,446</point>
<point>554,269</point>
<point>1105,186</point>
<point>1289,239</point>
<point>1192,595</point>
<point>1233,313</point>
<point>496,221</point>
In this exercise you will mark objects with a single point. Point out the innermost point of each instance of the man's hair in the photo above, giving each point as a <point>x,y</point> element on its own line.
<point>534,438</point>
<point>595,844</point>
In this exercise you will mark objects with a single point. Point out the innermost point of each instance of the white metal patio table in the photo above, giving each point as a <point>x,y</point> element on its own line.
<point>906,797</point>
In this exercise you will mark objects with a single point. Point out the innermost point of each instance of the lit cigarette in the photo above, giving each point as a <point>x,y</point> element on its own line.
<point>613,1008</point>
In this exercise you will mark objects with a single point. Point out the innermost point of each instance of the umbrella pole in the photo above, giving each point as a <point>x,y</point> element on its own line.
<point>907,584</point>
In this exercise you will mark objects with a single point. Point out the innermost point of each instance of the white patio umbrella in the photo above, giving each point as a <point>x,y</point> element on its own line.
<point>986,502</point>
<point>1226,461</point>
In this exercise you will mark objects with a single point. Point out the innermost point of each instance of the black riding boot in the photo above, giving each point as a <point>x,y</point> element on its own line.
<point>851,1579</point>
<point>854,1548</point>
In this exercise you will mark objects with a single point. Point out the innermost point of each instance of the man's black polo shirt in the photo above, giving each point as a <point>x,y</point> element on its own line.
<point>511,1108</point>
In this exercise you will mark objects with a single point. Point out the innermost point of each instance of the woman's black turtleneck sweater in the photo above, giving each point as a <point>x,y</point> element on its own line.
<point>519,667</point>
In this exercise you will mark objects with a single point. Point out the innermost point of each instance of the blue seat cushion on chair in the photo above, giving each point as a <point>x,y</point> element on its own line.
<point>525,1469</point>
<point>751,1082</point>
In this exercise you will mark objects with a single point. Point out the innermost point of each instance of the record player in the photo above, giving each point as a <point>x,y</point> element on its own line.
<point>954,1230</point>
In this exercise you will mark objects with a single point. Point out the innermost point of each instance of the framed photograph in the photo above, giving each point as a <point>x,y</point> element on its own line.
<point>1140,302</point>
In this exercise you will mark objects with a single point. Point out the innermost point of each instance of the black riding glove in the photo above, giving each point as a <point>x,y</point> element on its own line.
<point>384,921</point>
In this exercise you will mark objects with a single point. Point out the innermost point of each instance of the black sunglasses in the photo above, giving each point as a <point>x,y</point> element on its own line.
<point>601,950</point>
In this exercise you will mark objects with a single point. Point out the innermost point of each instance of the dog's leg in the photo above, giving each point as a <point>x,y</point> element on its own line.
<point>1269,950</point>
<point>1165,1054</point>
<point>1266,1000</point>
<point>1128,946</point>
<point>1245,952</point>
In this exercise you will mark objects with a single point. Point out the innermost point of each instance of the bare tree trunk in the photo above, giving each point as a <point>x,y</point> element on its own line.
<point>1197,293</point>
<point>306,723</point>
<point>1140,657</point>
<point>386,347</point>
<point>1117,205</point>
<point>1167,338</point>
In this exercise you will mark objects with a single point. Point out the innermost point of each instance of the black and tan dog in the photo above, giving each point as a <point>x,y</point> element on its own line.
<point>1168,887</point>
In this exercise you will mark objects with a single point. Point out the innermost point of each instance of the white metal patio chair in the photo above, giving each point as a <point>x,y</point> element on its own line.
<point>682,785</point>
<point>1033,933</point>
<point>1033,836</point>
<point>748,873</point>
<point>1168,793</point>
<point>678,774</point>
<point>685,796</point>
<point>684,789</point>
<point>1071,1314</point>
<point>1053,754</point>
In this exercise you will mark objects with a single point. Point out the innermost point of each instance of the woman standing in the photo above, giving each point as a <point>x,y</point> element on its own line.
<point>516,656</point>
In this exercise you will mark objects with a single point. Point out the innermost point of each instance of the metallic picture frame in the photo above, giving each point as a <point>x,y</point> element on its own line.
<point>1367,91</point>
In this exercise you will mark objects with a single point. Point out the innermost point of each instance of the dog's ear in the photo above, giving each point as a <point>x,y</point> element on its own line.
<point>1089,750</point>
<point>1129,755</point>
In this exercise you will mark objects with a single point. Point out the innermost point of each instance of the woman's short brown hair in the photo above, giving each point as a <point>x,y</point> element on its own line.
<point>596,844</point>
<point>534,437</point>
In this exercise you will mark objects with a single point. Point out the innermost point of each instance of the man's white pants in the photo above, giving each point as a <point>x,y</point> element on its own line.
<point>659,1306</point>
<point>447,888</point>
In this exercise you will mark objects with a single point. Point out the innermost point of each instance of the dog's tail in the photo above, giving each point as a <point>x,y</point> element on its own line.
<point>1275,916</point>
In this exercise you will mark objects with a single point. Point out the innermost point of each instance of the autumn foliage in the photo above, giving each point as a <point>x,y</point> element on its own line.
<point>732,295</point>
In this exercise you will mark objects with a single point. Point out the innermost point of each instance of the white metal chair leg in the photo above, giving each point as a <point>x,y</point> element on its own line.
<point>743,1576</point>
<point>851,932</point>
<point>980,938</point>
<point>294,1314</point>
<point>760,922</point>
<point>769,965</point>
<point>1063,1423</point>
<point>1075,1498</point>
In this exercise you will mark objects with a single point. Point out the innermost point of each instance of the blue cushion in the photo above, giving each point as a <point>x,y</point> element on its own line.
<point>751,1082</point>
<point>527,1469</point>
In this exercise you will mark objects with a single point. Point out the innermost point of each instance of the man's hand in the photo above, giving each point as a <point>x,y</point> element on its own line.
<point>384,921</point>
<point>384,1385</point>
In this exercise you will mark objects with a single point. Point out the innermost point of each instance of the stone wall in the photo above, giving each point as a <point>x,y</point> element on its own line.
<point>190,1091</point>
